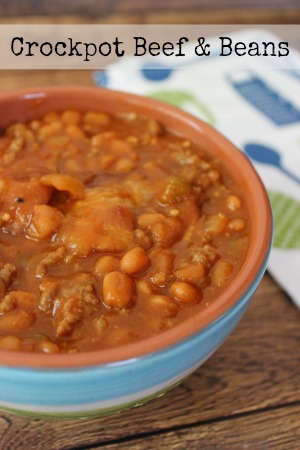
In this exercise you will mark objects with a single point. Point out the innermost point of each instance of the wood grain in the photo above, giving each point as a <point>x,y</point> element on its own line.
<point>168,16</point>
<point>265,431</point>
<point>153,12</point>
<point>95,7</point>
<point>36,78</point>
<point>257,368</point>
<point>223,16</point>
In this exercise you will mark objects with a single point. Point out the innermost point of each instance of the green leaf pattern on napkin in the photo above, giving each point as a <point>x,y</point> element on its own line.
<point>286,215</point>
<point>180,98</point>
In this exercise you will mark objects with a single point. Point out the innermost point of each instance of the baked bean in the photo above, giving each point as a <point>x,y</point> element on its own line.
<point>142,239</point>
<point>122,148</point>
<point>47,131</point>
<point>221,272</point>
<point>101,138</point>
<point>129,116</point>
<point>107,161</point>
<point>174,212</point>
<point>144,287</point>
<point>117,290</point>
<point>17,130</point>
<point>26,300</point>
<point>7,303</point>
<point>6,217</point>
<point>96,118</point>
<point>58,142</point>
<point>106,264</point>
<point>35,125</point>
<point>100,324</point>
<point>124,165</point>
<point>233,202</point>
<point>161,232</point>
<point>134,261</point>
<point>185,292</point>
<point>213,175</point>
<point>23,299</point>
<point>16,321</point>
<point>15,146</point>
<point>119,336</point>
<point>51,117</point>
<point>193,272</point>
<point>45,221</point>
<point>237,224</point>
<point>164,259</point>
<point>75,132</point>
<point>20,131</point>
<point>162,262</point>
<point>164,304</point>
<point>160,278</point>
<point>71,117</point>
<point>215,224</point>
<point>12,343</point>
<point>49,347</point>
<point>164,230</point>
<point>148,220</point>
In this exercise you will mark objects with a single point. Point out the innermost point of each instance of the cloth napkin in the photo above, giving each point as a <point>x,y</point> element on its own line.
<point>258,109</point>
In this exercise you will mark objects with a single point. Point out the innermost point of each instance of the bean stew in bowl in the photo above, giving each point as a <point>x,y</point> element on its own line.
<point>129,231</point>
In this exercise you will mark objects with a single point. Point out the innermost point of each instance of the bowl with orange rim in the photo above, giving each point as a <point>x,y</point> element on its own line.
<point>133,237</point>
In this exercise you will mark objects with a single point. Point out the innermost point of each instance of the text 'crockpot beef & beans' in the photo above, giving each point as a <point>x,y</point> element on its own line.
<point>112,229</point>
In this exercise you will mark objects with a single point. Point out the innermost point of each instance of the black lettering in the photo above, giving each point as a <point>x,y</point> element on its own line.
<point>87,53</point>
<point>154,47</point>
<point>43,52</point>
<point>285,47</point>
<point>202,49</point>
<point>31,44</point>
<point>265,46</point>
<point>102,52</point>
<point>139,45</point>
<point>21,40</point>
<point>73,48</point>
<point>168,47</point>
<point>63,44</point>
<point>181,41</point>
<point>226,45</point>
<point>240,48</point>
<point>253,49</point>
<point>118,52</point>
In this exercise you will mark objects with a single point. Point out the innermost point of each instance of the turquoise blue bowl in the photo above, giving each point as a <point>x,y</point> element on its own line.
<point>103,382</point>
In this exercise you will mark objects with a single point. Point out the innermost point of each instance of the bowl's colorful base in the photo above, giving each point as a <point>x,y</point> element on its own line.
<point>109,389</point>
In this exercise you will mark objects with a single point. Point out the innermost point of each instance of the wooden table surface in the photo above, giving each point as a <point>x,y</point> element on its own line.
<point>246,396</point>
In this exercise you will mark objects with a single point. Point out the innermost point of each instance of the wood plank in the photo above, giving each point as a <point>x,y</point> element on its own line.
<point>258,367</point>
<point>277,430</point>
<point>9,80</point>
<point>225,16</point>
<point>91,8</point>
<point>238,15</point>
